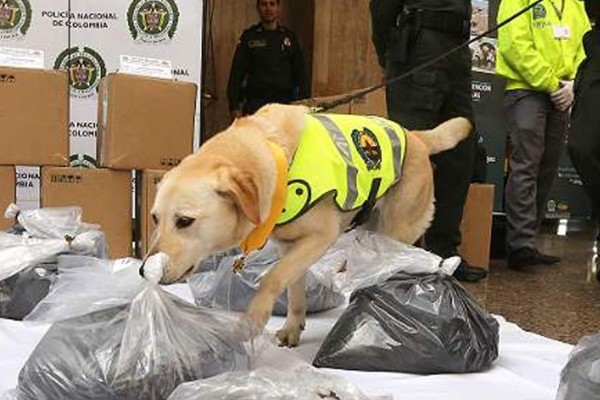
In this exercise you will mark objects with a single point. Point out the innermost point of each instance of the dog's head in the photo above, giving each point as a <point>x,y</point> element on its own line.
<point>200,210</point>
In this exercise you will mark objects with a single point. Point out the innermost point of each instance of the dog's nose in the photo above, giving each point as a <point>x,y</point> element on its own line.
<point>153,266</point>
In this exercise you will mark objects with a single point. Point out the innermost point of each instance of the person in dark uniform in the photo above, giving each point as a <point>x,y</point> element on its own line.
<point>406,34</point>
<point>268,65</point>
<point>584,134</point>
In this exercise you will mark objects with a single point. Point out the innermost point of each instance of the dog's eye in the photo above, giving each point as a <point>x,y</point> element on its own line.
<point>184,222</point>
<point>155,219</point>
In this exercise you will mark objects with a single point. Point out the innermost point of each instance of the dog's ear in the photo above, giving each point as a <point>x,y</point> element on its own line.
<point>242,189</point>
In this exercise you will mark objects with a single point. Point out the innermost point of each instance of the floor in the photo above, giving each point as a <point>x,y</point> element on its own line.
<point>561,301</point>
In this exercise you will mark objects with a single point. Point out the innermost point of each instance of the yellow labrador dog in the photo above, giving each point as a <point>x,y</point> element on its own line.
<point>216,198</point>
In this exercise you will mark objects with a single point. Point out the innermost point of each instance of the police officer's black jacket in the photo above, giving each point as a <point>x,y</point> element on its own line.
<point>271,64</point>
<point>385,13</point>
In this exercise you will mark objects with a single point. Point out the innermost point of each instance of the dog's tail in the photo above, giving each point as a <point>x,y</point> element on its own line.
<point>446,135</point>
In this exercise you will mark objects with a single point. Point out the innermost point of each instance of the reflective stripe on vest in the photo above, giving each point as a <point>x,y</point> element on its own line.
<point>341,155</point>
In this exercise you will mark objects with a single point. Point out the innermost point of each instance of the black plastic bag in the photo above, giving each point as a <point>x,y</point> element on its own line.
<point>143,350</point>
<point>580,378</point>
<point>20,293</point>
<point>417,324</point>
<point>217,286</point>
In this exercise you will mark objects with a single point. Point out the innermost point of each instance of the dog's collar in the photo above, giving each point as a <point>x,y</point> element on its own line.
<point>259,235</point>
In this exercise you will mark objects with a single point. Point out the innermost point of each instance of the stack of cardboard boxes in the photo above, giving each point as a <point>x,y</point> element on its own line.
<point>34,124</point>
<point>144,124</point>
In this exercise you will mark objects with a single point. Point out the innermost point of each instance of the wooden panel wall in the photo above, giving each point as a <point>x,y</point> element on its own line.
<point>230,18</point>
<point>335,36</point>
<point>344,58</point>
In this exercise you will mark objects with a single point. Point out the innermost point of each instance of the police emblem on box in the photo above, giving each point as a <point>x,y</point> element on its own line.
<point>85,67</point>
<point>15,18</point>
<point>82,161</point>
<point>153,21</point>
<point>368,147</point>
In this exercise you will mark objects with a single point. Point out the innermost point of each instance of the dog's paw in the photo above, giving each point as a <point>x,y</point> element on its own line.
<point>289,335</point>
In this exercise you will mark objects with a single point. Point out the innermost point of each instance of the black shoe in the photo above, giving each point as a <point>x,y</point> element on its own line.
<point>467,273</point>
<point>528,257</point>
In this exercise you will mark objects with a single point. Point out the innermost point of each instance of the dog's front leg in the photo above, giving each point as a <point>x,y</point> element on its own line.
<point>289,335</point>
<point>300,255</point>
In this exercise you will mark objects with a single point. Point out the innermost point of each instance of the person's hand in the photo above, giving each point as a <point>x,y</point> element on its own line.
<point>235,114</point>
<point>563,97</point>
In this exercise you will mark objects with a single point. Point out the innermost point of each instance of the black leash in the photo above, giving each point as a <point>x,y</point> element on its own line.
<point>328,105</point>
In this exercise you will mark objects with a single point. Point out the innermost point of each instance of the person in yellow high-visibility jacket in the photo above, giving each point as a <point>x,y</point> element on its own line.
<point>538,54</point>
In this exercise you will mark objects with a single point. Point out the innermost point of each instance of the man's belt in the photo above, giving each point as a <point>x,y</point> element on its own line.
<point>442,21</point>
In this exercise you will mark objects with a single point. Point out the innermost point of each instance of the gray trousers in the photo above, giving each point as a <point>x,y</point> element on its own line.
<point>537,133</point>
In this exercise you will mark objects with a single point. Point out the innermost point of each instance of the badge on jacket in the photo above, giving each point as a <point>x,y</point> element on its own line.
<point>287,44</point>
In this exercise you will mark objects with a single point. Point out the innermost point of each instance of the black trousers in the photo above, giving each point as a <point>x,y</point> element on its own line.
<point>584,135</point>
<point>423,101</point>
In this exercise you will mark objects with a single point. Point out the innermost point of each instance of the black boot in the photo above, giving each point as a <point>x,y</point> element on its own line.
<point>467,273</point>
<point>528,257</point>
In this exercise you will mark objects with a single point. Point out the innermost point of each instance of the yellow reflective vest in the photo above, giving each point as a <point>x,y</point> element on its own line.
<point>355,158</point>
<point>542,46</point>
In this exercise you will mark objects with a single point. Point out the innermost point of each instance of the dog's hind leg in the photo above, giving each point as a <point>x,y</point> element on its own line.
<point>289,335</point>
<point>407,209</point>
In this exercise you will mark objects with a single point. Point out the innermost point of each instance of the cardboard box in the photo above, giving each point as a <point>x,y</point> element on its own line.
<point>146,191</point>
<point>7,194</point>
<point>373,103</point>
<point>34,118</point>
<point>144,123</point>
<point>476,225</point>
<point>104,196</point>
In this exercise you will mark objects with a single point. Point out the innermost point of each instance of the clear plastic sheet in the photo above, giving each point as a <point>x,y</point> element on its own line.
<point>88,284</point>
<point>217,286</point>
<point>416,324</point>
<point>580,378</point>
<point>142,350</point>
<point>362,258</point>
<point>267,384</point>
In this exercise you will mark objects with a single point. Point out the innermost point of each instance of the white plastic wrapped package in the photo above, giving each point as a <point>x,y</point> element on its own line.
<point>29,255</point>
<point>361,258</point>
<point>51,223</point>
<point>18,252</point>
<point>267,384</point>
<point>218,286</point>
<point>47,233</point>
<point>142,350</point>
<point>88,284</point>
<point>580,378</point>
<point>9,395</point>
